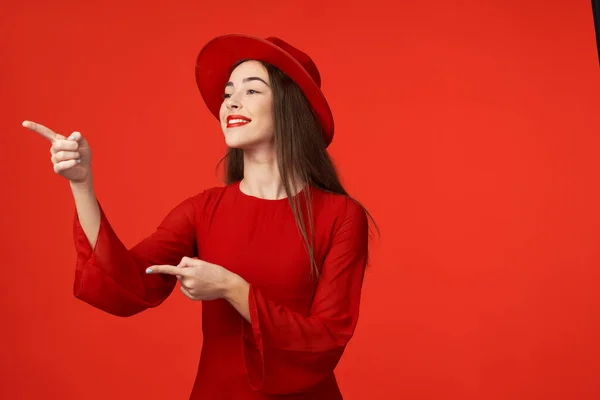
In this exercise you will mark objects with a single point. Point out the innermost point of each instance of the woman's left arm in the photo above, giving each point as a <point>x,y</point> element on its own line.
<point>286,352</point>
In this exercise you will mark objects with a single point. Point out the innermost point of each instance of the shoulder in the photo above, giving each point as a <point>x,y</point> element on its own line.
<point>342,209</point>
<point>200,199</point>
<point>338,203</point>
<point>213,193</point>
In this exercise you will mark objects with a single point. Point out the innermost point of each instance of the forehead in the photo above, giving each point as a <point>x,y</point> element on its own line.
<point>248,69</point>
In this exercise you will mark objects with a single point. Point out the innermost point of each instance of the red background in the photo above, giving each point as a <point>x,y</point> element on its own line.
<point>469,129</point>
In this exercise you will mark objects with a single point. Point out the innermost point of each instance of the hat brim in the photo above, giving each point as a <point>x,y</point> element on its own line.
<point>216,58</point>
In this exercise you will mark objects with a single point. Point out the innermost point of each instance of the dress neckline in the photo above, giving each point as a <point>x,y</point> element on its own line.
<point>263,200</point>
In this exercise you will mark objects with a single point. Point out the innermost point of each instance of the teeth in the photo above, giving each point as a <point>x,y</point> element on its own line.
<point>237,121</point>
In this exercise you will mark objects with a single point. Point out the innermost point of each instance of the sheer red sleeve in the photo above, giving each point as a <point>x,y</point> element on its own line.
<point>286,352</point>
<point>112,278</point>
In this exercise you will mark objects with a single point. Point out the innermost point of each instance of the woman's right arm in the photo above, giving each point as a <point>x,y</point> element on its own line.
<point>88,210</point>
<point>112,277</point>
<point>109,276</point>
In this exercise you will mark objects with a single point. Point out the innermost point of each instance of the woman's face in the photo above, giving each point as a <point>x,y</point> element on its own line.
<point>247,109</point>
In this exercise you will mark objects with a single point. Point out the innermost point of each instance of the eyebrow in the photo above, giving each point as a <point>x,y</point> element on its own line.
<point>249,79</point>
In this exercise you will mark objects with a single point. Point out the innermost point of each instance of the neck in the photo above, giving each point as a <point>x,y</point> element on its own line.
<point>262,178</point>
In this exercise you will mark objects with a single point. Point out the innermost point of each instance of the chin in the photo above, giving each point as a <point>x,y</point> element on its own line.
<point>238,143</point>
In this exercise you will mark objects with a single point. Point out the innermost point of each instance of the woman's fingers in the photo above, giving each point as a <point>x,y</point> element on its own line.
<point>65,156</point>
<point>186,262</point>
<point>64,165</point>
<point>66,152</point>
<point>64,145</point>
<point>42,130</point>
<point>186,293</point>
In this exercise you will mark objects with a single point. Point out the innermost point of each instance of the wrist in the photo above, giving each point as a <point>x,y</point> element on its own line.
<point>82,186</point>
<point>234,286</point>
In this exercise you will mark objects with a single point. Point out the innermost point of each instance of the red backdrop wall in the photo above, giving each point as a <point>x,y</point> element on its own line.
<point>470,130</point>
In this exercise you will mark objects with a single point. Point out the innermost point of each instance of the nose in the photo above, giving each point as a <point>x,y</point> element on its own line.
<point>232,104</point>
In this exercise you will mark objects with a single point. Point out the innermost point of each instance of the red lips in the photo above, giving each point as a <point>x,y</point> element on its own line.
<point>237,120</point>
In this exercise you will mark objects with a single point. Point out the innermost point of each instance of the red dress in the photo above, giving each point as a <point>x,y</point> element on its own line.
<point>300,326</point>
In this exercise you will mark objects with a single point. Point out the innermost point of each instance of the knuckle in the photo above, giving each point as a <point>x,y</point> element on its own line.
<point>62,145</point>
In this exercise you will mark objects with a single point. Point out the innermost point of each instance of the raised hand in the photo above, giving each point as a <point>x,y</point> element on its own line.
<point>71,156</point>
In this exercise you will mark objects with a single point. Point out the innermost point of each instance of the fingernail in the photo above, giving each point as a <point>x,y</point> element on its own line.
<point>148,270</point>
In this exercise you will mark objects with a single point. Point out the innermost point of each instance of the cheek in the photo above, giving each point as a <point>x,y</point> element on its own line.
<point>267,115</point>
<point>222,112</point>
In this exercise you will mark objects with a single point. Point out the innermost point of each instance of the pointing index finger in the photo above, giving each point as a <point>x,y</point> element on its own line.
<point>166,269</point>
<point>41,129</point>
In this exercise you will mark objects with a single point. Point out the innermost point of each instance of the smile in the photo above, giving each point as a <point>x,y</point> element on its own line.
<point>234,121</point>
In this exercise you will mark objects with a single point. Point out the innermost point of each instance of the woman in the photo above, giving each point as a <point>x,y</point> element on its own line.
<point>278,253</point>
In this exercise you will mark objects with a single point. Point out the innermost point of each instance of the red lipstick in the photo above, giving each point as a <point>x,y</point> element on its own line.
<point>237,120</point>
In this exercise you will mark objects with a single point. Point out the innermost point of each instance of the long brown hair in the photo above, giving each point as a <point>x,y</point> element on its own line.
<point>301,154</point>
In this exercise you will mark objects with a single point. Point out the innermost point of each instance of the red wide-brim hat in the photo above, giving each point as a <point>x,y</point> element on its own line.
<point>215,60</point>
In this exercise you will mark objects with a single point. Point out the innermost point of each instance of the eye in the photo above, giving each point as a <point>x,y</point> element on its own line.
<point>226,95</point>
<point>252,91</point>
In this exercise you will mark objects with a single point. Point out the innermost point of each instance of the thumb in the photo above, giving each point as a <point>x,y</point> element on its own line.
<point>186,262</point>
<point>78,137</point>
